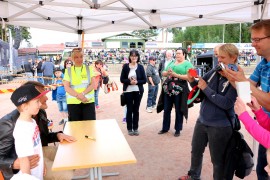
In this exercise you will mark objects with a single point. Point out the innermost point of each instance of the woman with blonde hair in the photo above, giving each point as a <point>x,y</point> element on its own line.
<point>79,84</point>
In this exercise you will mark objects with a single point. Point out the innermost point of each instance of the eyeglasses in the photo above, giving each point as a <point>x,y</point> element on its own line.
<point>257,40</point>
<point>68,63</point>
<point>76,49</point>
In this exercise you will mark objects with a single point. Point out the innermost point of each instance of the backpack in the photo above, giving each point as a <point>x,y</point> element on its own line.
<point>238,159</point>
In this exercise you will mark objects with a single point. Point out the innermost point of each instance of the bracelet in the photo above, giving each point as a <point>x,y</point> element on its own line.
<point>83,93</point>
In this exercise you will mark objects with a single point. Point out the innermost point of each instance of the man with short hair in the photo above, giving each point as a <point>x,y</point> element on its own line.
<point>260,38</point>
<point>47,69</point>
<point>153,80</point>
<point>164,63</point>
<point>9,162</point>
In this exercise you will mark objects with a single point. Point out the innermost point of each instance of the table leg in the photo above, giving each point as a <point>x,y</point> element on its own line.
<point>90,174</point>
<point>95,173</point>
<point>99,172</point>
<point>92,177</point>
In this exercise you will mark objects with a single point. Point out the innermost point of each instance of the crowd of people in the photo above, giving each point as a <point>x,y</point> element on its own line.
<point>25,136</point>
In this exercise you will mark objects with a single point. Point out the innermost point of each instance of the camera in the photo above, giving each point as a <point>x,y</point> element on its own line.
<point>232,67</point>
<point>219,67</point>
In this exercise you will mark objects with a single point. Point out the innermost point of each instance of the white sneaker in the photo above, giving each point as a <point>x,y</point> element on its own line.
<point>154,107</point>
<point>149,109</point>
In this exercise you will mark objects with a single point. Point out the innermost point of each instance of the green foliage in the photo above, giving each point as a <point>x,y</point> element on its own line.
<point>213,34</point>
<point>25,34</point>
<point>146,33</point>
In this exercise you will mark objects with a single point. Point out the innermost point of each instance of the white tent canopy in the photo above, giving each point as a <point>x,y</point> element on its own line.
<point>97,16</point>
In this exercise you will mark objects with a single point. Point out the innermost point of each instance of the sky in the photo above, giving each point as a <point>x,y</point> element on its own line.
<point>41,36</point>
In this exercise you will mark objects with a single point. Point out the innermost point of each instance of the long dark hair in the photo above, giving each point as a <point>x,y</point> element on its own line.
<point>67,60</point>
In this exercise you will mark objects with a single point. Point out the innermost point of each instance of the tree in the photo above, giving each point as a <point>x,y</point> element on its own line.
<point>213,34</point>
<point>18,34</point>
<point>147,33</point>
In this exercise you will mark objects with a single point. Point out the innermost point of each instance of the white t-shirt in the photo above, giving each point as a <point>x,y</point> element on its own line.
<point>132,73</point>
<point>28,142</point>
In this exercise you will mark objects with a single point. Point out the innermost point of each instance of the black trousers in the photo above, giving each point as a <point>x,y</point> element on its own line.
<point>133,100</point>
<point>83,111</point>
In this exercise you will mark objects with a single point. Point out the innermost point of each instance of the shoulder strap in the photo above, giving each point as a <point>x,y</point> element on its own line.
<point>69,74</point>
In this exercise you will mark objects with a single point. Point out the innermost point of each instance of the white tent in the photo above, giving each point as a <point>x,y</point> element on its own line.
<point>77,16</point>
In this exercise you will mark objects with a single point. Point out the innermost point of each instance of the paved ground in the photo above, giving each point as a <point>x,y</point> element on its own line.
<point>159,157</point>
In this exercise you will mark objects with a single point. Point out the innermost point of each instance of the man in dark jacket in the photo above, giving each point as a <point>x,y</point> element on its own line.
<point>28,69</point>
<point>39,71</point>
<point>9,162</point>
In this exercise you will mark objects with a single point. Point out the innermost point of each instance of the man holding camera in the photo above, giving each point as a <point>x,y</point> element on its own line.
<point>260,38</point>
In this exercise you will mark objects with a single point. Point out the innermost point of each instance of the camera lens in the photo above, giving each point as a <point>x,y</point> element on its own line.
<point>218,68</point>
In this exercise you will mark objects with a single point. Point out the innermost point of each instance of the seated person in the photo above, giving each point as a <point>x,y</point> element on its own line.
<point>26,132</point>
<point>9,163</point>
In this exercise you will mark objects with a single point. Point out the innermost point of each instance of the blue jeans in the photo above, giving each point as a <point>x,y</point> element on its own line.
<point>62,103</point>
<point>152,95</point>
<point>47,80</point>
<point>133,100</point>
<point>217,138</point>
<point>96,96</point>
<point>261,163</point>
<point>40,79</point>
<point>168,104</point>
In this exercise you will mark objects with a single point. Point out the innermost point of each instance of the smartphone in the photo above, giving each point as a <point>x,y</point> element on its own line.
<point>233,67</point>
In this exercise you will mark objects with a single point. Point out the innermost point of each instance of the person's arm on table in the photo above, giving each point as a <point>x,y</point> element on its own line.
<point>63,137</point>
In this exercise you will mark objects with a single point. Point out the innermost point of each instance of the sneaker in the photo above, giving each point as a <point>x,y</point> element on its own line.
<point>97,107</point>
<point>149,109</point>
<point>124,120</point>
<point>154,107</point>
<point>130,132</point>
<point>186,177</point>
<point>177,134</point>
<point>136,133</point>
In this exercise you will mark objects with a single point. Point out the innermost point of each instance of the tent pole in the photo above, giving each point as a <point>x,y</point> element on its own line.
<point>240,35</point>
<point>223,33</point>
<point>82,42</point>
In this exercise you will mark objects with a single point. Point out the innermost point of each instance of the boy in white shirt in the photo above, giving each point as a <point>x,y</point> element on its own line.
<point>26,132</point>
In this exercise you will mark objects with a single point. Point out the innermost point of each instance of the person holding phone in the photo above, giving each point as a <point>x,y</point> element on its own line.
<point>133,77</point>
<point>213,126</point>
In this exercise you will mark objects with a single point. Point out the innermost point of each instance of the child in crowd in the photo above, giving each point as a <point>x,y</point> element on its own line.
<point>59,94</point>
<point>99,73</point>
<point>26,132</point>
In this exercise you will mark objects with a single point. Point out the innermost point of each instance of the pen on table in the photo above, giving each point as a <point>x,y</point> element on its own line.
<point>89,137</point>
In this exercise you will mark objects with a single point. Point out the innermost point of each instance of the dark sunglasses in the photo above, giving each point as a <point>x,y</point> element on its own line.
<point>68,63</point>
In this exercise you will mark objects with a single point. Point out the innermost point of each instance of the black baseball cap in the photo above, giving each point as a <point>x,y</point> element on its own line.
<point>57,69</point>
<point>25,93</point>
